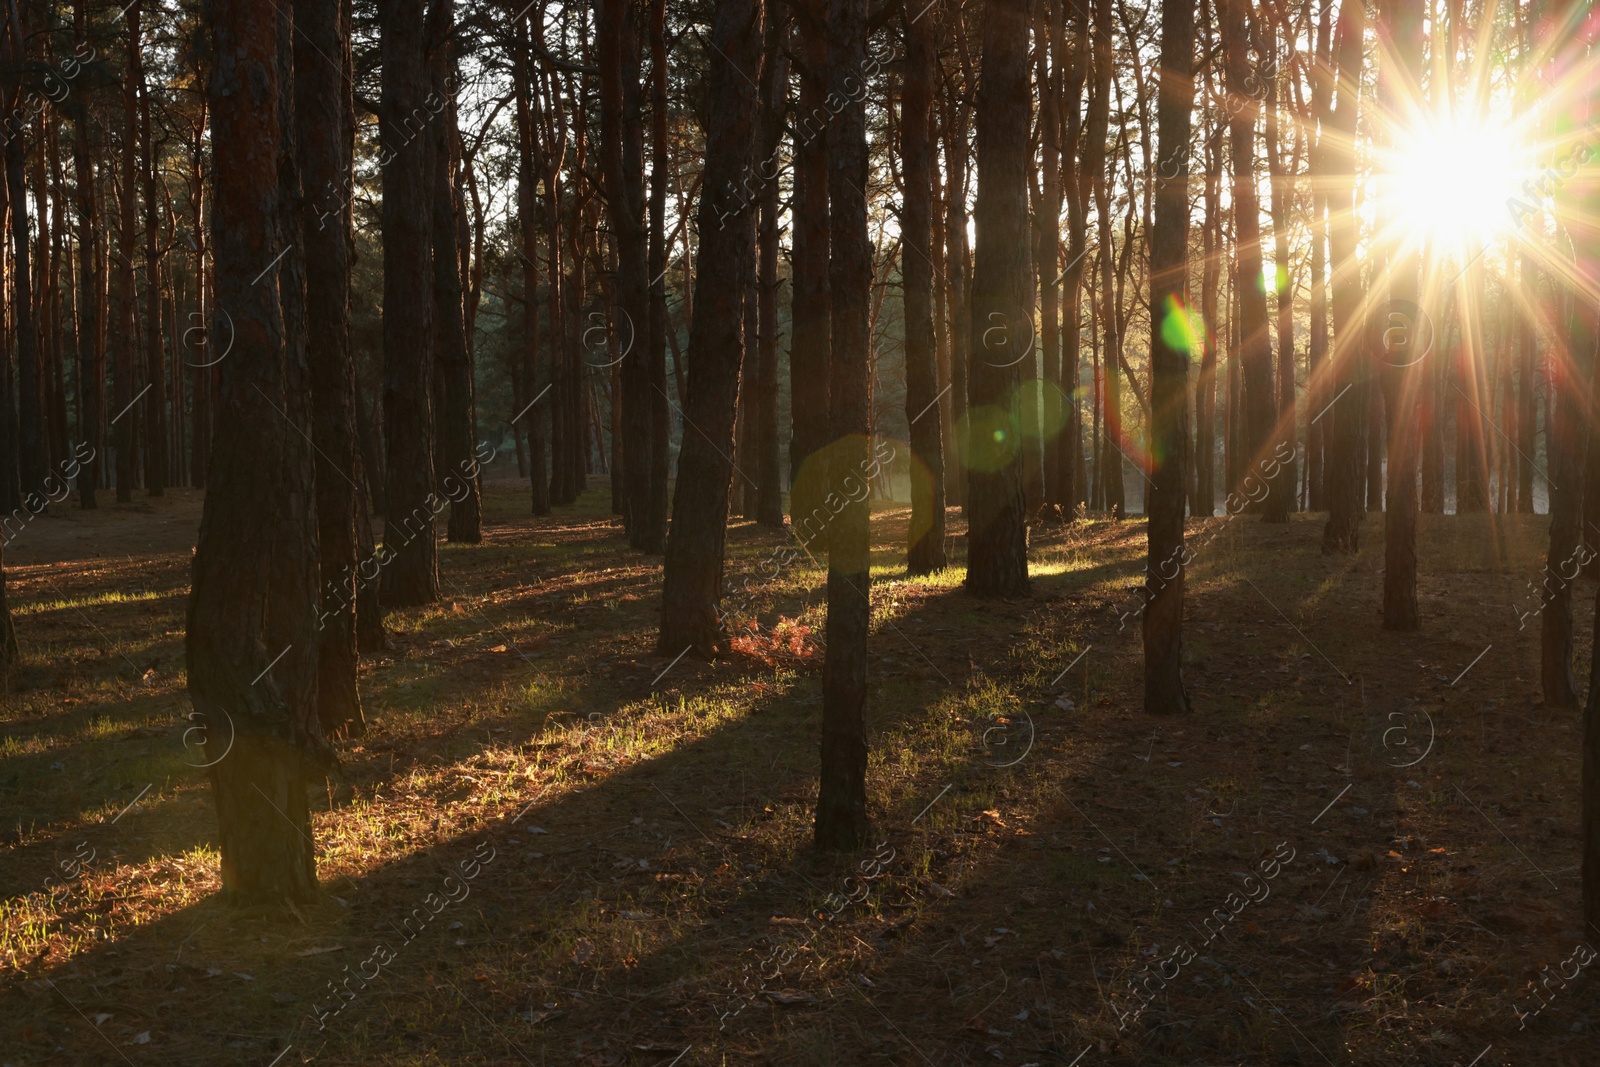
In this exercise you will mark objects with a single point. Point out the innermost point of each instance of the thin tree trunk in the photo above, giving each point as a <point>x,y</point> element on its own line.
<point>532,407</point>
<point>91,377</point>
<point>155,457</point>
<point>692,578</point>
<point>656,352</point>
<point>622,157</point>
<point>811,306</point>
<point>456,470</point>
<point>1255,343</point>
<point>322,92</point>
<point>1281,500</point>
<point>1400,375</point>
<point>1169,369</point>
<point>1343,456</point>
<point>925,550</point>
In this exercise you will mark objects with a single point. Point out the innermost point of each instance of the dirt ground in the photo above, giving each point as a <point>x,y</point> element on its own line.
<point>555,847</point>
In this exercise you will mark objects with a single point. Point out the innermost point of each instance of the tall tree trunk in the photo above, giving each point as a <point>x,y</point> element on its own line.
<point>251,647</point>
<point>1171,340</point>
<point>1074,151</point>
<point>958,271</point>
<point>127,400</point>
<point>1400,375</point>
<point>622,157</point>
<point>692,577</point>
<point>456,474</point>
<point>1002,321</point>
<point>1049,62</point>
<point>91,374</point>
<point>841,821</point>
<point>768,490</point>
<point>660,323</point>
<point>1280,501</point>
<point>1205,402</point>
<point>1255,343</point>
<point>155,456</point>
<point>925,546</point>
<point>1344,455</point>
<point>532,407</point>
<point>1528,388</point>
<point>322,93</point>
<point>811,305</point>
<point>1317,392</point>
<point>411,571</point>
<point>32,456</point>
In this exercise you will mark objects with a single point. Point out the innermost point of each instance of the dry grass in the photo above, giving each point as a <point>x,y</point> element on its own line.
<point>651,839</point>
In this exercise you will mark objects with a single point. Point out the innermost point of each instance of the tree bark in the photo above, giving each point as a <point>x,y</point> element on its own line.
<point>1255,343</point>
<point>1070,441</point>
<point>622,156</point>
<point>527,211</point>
<point>251,647</point>
<point>155,457</point>
<point>1400,375</point>
<point>322,92</point>
<point>1281,500</point>
<point>411,566</point>
<point>91,373</point>
<point>925,551</point>
<point>456,473</point>
<point>1171,340</point>
<point>841,821</point>
<point>1002,319</point>
<point>660,322</point>
<point>1344,455</point>
<point>811,306</point>
<point>692,576</point>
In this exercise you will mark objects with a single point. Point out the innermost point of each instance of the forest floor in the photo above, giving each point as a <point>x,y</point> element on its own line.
<point>639,830</point>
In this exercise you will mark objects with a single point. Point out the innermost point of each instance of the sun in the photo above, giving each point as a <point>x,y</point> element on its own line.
<point>1447,183</point>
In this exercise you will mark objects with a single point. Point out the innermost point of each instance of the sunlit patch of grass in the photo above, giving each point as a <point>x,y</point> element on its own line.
<point>101,599</point>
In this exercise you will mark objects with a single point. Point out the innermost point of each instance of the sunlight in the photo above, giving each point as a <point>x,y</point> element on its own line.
<point>1448,182</point>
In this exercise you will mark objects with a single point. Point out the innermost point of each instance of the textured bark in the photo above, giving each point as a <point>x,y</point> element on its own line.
<point>129,407</point>
<point>841,821</point>
<point>1169,369</point>
<point>1280,501</point>
<point>1205,401</point>
<point>1566,448</point>
<point>1344,455</point>
<point>1070,441</point>
<point>1002,326</point>
<point>622,157</point>
<point>31,456</point>
<point>925,550</point>
<point>91,374</point>
<point>1401,375</point>
<point>811,302</point>
<point>692,579</point>
<point>1049,61</point>
<point>958,271</point>
<point>533,405</point>
<point>660,323</point>
<point>411,568</point>
<point>322,94</point>
<point>456,469</point>
<point>768,491</point>
<point>1255,343</point>
<point>1317,393</point>
<point>251,647</point>
<point>155,402</point>
<point>1528,388</point>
